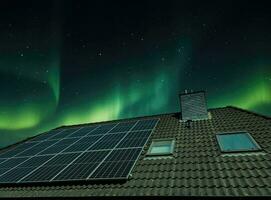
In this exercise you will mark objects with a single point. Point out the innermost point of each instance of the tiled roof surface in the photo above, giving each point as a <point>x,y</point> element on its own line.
<point>196,168</point>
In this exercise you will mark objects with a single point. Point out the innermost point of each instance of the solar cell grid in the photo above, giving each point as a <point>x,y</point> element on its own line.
<point>49,169</point>
<point>112,170</point>
<point>76,172</point>
<point>2,160</point>
<point>43,174</point>
<point>45,136</point>
<point>82,166</point>
<point>3,170</point>
<point>10,153</point>
<point>91,156</point>
<point>64,133</point>
<point>109,141</point>
<point>134,139</point>
<point>58,146</point>
<point>35,161</point>
<point>15,175</point>
<point>98,132</point>
<point>36,149</point>
<point>18,171</point>
<point>122,127</point>
<point>145,124</point>
<point>77,147</point>
<point>26,145</point>
<point>138,134</point>
<point>117,165</point>
<point>53,150</point>
<point>62,159</point>
<point>123,154</point>
<point>104,145</point>
<point>87,159</point>
<point>83,144</point>
<point>106,127</point>
<point>113,136</point>
<point>17,149</point>
<point>132,142</point>
<point>83,131</point>
<point>10,163</point>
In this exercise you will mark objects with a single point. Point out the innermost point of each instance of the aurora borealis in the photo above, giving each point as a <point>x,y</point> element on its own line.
<point>71,62</point>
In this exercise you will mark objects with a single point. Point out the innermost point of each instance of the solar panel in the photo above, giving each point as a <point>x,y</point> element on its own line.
<point>83,166</point>
<point>2,160</point>
<point>122,127</point>
<point>105,151</point>
<point>145,124</point>
<point>19,167</point>
<point>64,133</point>
<point>117,164</point>
<point>59,146</point>
<point>36,149</point>
<point>10,163</point>
<point>17,149</point>
<point>83,144</point>
<point>82,132</point>
<point>50,168</point>
<point>46,135</point>
<point>108,142</point>
<point>14,175</point>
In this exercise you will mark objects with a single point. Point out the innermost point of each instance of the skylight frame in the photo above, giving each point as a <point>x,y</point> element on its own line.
<point>162,140</point>
<point>258,147</point>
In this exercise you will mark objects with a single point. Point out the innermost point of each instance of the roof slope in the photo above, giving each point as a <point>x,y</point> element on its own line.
<point>196,168</point>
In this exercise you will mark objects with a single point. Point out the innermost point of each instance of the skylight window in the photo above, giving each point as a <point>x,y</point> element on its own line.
<point>161,147</point>
<point>237,142</point>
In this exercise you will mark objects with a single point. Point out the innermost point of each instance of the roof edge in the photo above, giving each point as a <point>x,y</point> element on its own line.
<point>138,117</point>
<point>85,124</point>
<point>251,112</point>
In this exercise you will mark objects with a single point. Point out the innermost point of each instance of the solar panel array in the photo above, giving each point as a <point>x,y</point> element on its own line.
<point>106,151</point>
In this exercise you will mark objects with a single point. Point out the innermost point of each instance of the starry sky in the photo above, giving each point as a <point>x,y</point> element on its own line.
<point>70,62</point>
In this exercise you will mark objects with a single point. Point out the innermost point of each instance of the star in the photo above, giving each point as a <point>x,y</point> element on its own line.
<point>100,54</point>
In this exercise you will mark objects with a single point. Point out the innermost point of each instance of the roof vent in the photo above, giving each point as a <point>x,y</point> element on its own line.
<point>193,105</point>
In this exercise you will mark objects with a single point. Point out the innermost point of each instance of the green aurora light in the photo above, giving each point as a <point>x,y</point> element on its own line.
<point>66,63</point>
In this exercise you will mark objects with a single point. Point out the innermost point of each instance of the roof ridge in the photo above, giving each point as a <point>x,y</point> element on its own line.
<point>250,112</point>
<point>116,120</point>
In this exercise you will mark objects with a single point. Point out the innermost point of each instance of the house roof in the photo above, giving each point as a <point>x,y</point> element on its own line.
<point>197,167</point>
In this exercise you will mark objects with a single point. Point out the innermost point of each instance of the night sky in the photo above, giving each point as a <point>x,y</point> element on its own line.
<point>70,62</point>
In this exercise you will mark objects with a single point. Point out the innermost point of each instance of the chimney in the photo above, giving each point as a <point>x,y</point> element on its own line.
<point>193,106</point>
